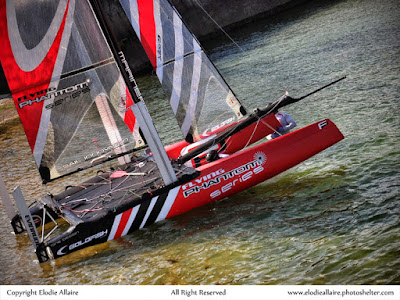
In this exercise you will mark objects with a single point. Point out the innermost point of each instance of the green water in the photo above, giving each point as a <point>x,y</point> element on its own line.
<point>334,219</point>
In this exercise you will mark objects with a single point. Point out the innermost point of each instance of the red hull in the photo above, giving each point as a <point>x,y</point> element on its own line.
<point>249,167</point>
<point>217,180</point>
<point>247,136</point>
<point>235,173</point>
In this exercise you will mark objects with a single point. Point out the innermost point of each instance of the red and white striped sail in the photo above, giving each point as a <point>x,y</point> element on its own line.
<point>65,83</point>
<point>200,98</point>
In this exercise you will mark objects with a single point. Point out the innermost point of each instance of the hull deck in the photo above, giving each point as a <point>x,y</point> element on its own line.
<point>113,192</point>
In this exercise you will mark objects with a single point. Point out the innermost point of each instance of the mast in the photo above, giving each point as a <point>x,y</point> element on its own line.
<point>139,109</point>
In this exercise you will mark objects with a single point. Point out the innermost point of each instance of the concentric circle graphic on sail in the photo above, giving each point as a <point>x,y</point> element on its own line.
<point>35,71</point>
<point>57,66</point>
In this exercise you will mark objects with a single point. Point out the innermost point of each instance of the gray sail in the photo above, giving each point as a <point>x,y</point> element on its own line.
<point>66,85</point>
<point>200,98</point>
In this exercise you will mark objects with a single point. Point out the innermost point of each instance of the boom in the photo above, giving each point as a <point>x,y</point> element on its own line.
<point>252,118</point>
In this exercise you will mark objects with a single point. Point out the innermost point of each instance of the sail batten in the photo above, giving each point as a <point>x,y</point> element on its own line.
<point>87,68</point>
<point>179,58</point>
<point>196,91</point>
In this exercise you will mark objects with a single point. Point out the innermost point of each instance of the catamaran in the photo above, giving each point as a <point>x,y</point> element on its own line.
<point>80,107</point>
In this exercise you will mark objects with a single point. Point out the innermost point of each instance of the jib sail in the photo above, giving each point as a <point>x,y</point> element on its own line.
<point>200,98</point>
<point>67,88</point>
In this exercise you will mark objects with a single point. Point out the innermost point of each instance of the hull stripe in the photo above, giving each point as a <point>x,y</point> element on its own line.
<point>124,220</point>
<point>149,212</point>
<point>140,215</point>
<point>114,227</point>
<point>131,219</point>
<point>168,204</point>
<point>156,210</point>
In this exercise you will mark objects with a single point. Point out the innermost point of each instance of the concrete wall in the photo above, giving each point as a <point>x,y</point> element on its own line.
<point>227,14</point>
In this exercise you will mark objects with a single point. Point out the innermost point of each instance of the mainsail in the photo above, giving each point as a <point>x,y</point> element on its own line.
<point>66,85</point>
<point>200,98</point>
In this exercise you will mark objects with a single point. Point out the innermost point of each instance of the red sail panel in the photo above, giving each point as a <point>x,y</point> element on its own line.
<point>148,29</point>
<point>28,85</point>
<point>57,62</point>
<point>129,117</point>
<point>124,220</point>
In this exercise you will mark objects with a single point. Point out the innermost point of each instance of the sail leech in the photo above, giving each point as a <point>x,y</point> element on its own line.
<point>186,70</point>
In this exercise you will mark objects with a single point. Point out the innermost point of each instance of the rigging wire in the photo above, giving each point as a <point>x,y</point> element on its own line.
<point>277,82</point>
<point>216,23</point>
<point>258,121</point>
<point>102,199</point>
